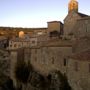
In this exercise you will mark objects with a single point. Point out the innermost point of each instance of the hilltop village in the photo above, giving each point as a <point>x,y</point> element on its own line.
<point>64,47</point>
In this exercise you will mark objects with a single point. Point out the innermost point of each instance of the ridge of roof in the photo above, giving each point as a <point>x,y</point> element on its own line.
<point>82,15</point>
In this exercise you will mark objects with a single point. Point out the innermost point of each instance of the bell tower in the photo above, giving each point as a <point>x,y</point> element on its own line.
<point>73,6</point>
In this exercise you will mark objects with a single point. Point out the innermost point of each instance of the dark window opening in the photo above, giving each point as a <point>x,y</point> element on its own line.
<point>54,34</point>
<point>49,77</point>
<point>10,45</point>
<point>65,62</point>
<point>15,45</point>
<point>76,66</point>
<point>33,42</point>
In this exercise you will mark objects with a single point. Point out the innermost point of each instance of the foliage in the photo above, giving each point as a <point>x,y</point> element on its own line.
<point>4,68</point>
<point>8,85</point>
<point>22,71</point>
<point>58,81</point>
<point>37,80</point>
<point>54,81</point>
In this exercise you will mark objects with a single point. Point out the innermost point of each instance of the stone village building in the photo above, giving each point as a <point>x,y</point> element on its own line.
<point>64,47</point>
<point>78,70</point>
<point>20,42</point>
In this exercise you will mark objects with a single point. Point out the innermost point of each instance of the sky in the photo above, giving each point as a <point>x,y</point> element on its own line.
<point>36,13</point>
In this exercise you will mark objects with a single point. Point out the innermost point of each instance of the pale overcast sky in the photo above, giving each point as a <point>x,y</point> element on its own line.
<point>36,13</point>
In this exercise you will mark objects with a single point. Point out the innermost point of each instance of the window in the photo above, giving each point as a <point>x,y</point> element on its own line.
<point>64,62</point>
<point>74,4</point>
<point>10,45</point>
<point>15,45</point>
<point>76,66</point>
<point>33,42</point>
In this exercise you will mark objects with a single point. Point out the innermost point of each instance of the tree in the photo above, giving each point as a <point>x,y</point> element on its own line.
<point>8,85</point>
<point>58,81</point>
<point>4,70</point>
<point>38,81</point>
<point>22,72</point>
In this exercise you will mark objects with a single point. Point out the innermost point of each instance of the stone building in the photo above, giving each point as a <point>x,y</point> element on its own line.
<point>51,26</point>
<point>51,56</point>
<point>3,42</point>
<point>68,55</point>
<point>4,66</point>
<point>72,17</point>
<point>78,70</point>
<point>20,42</point>
<point>17,55</point>
<point>55,26</point>
<point>82,27</point>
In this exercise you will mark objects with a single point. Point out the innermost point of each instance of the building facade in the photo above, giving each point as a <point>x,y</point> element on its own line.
<point>78,70</point>
<point>67,55</point>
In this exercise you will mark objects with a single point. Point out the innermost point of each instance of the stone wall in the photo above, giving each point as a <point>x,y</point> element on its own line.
<point>4,66</point>
<point>69,22</point>
<point>46,59</point>
<point>79,79</point>
<point>55,26</point>
<point>82,28</point>
<point>13,60</point>
<point>81,44</point>
<point>12,31</point>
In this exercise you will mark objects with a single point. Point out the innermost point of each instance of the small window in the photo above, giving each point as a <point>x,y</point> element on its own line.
<point>76,66</point>
<point>74,4</point>
<point>33,42</point>
<point>10,45</point>
<point>64,62</point>
<point>15,45</point>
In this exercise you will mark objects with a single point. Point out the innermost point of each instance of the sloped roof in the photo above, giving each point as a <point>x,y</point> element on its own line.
<point>82,15</point>
<point>82,56</point>
<point>78,13</point>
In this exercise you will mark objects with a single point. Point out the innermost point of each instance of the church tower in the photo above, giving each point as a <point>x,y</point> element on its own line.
<point>73,6</point>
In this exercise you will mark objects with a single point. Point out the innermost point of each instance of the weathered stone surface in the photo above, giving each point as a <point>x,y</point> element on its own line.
<point>4,66</point>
